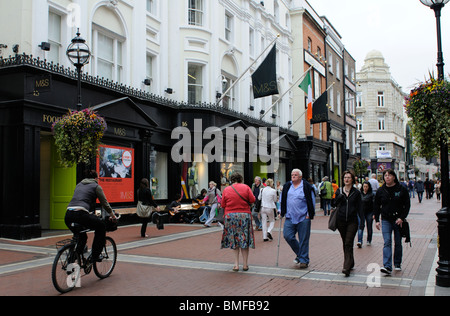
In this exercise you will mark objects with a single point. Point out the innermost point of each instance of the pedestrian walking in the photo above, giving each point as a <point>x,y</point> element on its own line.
<point>213,195</point>
<point>256,188</point>
<point>411,184</point>
<point>437,187</point>
<point>349,213</point>
<point>298,206</point>
<point>367,198</point>
<point>238,228</point>
<point>268,197</point>
<point>326,193</point>
<point>392,203</point>
<point>144,195</point>
<point>420,188</point>
<point>374,183</point>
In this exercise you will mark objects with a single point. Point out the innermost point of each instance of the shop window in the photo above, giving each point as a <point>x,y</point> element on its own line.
<point>159,175</point>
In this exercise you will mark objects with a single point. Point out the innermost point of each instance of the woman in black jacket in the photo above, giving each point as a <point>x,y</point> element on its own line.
<point>144,195</point>
<point>348,205</point>
<point>393,204</point>
<point>367,198</point>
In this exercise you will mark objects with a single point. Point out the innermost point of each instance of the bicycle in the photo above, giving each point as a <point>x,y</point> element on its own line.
<point>68,263</point>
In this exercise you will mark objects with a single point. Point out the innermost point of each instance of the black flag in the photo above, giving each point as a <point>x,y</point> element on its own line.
<point>265,77</point>
<point>320,109</point>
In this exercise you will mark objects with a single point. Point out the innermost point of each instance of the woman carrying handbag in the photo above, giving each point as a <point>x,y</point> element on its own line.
<point>144,206</point>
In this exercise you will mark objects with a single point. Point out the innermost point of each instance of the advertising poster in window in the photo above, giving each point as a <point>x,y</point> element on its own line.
<point>115,168</point>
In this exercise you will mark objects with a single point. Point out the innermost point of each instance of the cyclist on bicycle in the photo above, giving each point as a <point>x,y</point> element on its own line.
<point>81,210</point>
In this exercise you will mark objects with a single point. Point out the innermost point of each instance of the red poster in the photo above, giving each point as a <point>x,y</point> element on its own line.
<point>115,168</point>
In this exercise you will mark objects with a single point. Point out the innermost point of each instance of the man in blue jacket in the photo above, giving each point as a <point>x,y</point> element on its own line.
<point>298,202</point>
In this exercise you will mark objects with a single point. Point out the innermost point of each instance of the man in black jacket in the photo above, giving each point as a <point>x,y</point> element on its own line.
<point>392,203</point>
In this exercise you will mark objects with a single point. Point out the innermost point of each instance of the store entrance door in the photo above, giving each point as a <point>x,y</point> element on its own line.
<point>62,185</point>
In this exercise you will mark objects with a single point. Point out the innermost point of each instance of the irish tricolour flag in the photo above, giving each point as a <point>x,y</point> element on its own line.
<point>307,87</point>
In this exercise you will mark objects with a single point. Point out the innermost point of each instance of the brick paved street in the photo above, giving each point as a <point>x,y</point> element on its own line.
<point>186,260</point>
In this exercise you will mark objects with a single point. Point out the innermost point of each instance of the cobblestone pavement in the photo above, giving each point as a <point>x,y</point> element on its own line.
<point>186,260</point>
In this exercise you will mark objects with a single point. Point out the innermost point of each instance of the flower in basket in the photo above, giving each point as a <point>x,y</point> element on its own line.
<point>77,136</point>
<point>428,107</point>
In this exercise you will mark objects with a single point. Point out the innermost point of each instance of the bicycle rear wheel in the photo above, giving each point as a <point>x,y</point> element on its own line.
<point>104,268</point>
<point>66,269</point>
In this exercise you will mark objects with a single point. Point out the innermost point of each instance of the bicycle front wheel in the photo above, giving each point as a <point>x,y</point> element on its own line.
<point>66,269</point>
<point>104,268</point>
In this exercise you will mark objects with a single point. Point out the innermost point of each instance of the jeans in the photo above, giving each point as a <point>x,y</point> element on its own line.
<point>369,222</point>
<point>300,246</point>
<point>255,216</point>
<point>420,196</point>
<point>212,214</point>
<point>387,227</point>
<point>326,206</point>
<point>412,193</point>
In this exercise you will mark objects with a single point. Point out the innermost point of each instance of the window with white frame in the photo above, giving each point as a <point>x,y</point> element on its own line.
<point>359,123</point>
<point>149,70</point>
<point>330,63</point>
<point>276,11</point>
<point>229,27</point>
<point>151,6</point>
<point>54,37</point>
<point>381,123</point>
<point>338,69</point>
<point>196,12</point>
<point>229,100</point>
<point>195,83</point>
<point>382,147</point>
<point>251,42</point>
<point>317,85</point>
<point>107,56</point>
<point>380,102</point>
<point>338,103</point>
<point>331,99</point>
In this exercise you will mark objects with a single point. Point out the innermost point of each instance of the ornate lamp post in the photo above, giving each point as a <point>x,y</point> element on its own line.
<point>79,54</point>
<point>443,270</point>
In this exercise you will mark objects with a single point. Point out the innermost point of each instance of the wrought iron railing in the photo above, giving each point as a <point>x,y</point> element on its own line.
<point>29,60</point>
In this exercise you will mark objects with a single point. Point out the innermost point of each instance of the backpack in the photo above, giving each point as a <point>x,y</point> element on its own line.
<point>323,190</point>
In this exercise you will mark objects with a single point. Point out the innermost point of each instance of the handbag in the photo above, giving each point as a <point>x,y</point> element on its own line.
<point>332,221</point>
<point>143,211</point>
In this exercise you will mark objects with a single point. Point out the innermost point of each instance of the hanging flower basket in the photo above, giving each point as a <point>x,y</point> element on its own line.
<point>77,136</point>
<point>428,107</point>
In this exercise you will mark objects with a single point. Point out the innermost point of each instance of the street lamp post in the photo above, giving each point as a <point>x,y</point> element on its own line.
<point>79,54</point>
<point>360,141</point>
<point>443,270</point>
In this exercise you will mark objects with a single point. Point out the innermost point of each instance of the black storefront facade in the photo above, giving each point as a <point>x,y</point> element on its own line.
<point>35,189</point>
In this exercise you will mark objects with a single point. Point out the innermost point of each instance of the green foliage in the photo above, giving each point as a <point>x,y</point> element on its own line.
<point>77,136</point>
<point>360,167</point>
<point>428,107</point>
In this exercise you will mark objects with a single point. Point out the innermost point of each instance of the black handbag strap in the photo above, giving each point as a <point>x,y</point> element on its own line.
<point>240,196</point>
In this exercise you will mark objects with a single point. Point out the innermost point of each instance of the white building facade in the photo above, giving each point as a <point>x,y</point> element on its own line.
<point>188,50</point>
<point>381,119</point>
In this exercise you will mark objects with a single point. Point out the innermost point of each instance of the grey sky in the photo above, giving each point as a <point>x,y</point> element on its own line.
<point>404,31</point>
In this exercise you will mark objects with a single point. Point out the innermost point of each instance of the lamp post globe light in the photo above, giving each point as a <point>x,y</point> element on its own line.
<point>443,270</point>
<point>79,54</point>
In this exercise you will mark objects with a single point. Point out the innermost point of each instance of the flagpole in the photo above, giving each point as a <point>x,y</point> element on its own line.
<point>307,110</point>
<point>282,96</point>
<point>232,86</point>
